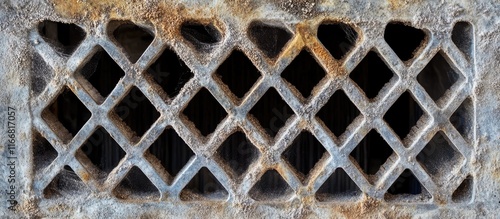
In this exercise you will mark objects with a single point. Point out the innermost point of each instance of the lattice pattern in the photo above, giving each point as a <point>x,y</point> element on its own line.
<point>435,117</point>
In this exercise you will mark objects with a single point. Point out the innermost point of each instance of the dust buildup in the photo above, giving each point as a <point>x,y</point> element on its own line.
<point>463,36</point>
<point>41,74</point>
<point>464,191</point>
<point>202,36</point>
<point>43,152</point>
<point>203,185</point>
<point>269,38</point>
<point>338,38</point>
<point>133,39</point>
<point>63,37</point>
<point>136,185</point>
<point>66,184</point>
<point>463,119</point>
<point>271,186</point>
<point>338,186</point>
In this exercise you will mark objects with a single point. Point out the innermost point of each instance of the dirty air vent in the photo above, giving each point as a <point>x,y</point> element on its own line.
<point>254,112</point>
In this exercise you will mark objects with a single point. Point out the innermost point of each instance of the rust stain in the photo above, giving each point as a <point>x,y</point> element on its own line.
<point>84,176</point>
<point>397,4</point>
<point>334,67</point>
<point>166,15</point>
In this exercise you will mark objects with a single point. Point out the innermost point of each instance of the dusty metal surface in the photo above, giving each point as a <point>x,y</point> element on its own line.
<point>478,82</point>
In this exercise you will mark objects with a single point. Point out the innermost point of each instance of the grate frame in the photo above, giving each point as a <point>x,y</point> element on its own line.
<point>233,24</point>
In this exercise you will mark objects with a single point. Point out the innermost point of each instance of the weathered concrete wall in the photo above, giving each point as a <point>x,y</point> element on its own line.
<point>19,41</point>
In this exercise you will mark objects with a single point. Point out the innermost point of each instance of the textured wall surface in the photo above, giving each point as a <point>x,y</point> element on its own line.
<point>34,73</point>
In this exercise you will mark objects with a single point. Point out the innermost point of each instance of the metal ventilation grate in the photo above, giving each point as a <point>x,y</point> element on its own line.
<point>326,112</point>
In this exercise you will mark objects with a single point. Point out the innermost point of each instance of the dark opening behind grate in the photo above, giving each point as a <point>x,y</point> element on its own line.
<point>406,186</point>
<point>371,74</point>
<point>463,37</point>
<point>238,152</point>
<point>371,153</point>
<point>269,38</point>
<point>338,113</point>
<point>304,73</point>
<point>137,112</point>
<point>271,186</point>
<point>63,37</point>
<point>404,39</point>
<point>68,111</point>
<point>338,186</point>
<point>338,38</point>
<point>202,186</point>
<point>41,74</point>
<point>464,191</point>
<point>102,72</point>
<point>66,184</point>
<point>304,152</point>
<point>170,72</point>
<point>103,151</point>
<point>403,115</point>
<point>437,77</point>
<point>43,152</point>
<point>137,186</point>
<point>172,151</point>
<point>272,112</point>
<point>132,38</point>
<point>201,36</point>
<point>238,73</point>
<point>205,112</point>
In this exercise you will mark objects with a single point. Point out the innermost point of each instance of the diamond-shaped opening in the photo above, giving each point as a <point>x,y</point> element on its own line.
<point>204,186</point>
<point>339,186</point>
<point>238,152</point>
<point>102,72</point>
<point>238,73</point>
<point>132,38</point>
<point>171,150</point>
<point>66,115</point>
<point>203,36</point>
<point>66,184</point>
<point>41,74</point>
<point>270,38</point>
<point>371,74</point>
<point>463,37</point>
<point>134,106</point>
<point>464,191</point>
<point>439,157</point>
<point>437,77</point>
<point>103,151</point>
<point>338,38</point>
<point>63,37</point>
<point>304,152</point>
<point>170,72</point>
<point>338,113</point>
<point>404,40</point>
<point>136,186</point>
<point>408,188</point>
<point>463,119</point>
<point>205,112</point>
<point>404,115</point>
<point>271,186</point>
<point>271,112</point>
<point>304,73</point>
<point>371,153</point>
<point>43,152</point>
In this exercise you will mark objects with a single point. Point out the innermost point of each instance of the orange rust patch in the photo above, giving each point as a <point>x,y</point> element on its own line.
<point>165,15</point>
<point>84,175</point>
